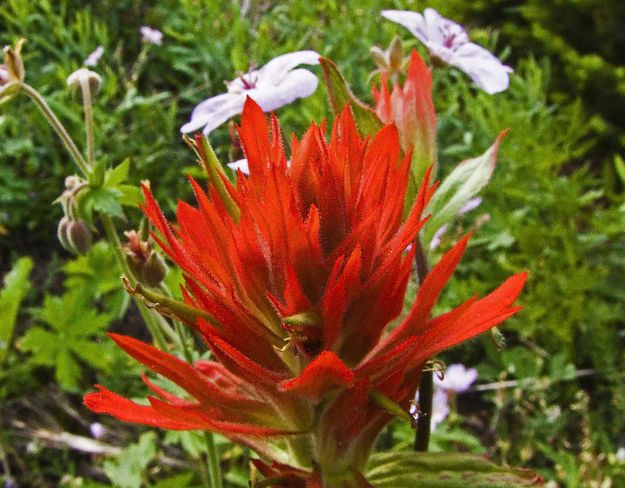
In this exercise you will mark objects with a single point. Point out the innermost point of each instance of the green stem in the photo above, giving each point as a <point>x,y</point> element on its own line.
<point>426,386</point>
<point>212,459</point>
<point>214,469</point>
<point>56,124</point>
<point>89,127</point>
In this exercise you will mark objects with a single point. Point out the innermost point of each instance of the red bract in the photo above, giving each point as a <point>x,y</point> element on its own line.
<point>300,272</point>
<point>411,109</point>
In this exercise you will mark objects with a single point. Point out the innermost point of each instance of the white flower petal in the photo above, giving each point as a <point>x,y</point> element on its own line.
<point>94,57</point>
<point>299,83</point>
<point>440,30</point>
<point>413,21</point>
<point>149,34</point>
<point>490,74</point>
<point>440,407</point>
<point>470,205</point>
<point>436,238</point>
<point>213,112</point>
<point>241,164</point>
<point>457,378</point>
<point>275,70</point>
<point>274,85</point>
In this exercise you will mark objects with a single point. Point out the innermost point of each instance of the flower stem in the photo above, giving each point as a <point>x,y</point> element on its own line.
<point>89,128</point>
<point>214,470</point>
<point>56,124</point>
<point>426,386</point>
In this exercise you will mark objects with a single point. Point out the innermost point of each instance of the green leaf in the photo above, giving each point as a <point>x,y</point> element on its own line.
<point>67,371</point>
<point>177,481</point>
<point>75,322</point>
<point>16,286</point>
<point>117,175</point>
<point>105,200</point>
<point>128,469</point>
<point>36,341</point>
<point>130,195</point>
<point>460,186</point>
<point>444,470</point>
<point>340,95</point>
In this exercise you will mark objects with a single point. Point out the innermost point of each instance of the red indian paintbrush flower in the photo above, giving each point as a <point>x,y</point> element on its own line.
<point>300,273</point>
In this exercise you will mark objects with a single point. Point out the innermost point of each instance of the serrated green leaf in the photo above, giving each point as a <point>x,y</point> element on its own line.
<point>128,469</point>
<point>130,195</point>
<point>339,95</point>
<point>91,353</point>
<point>460,186</point>
<point>105,200</point>
<point>67,370</point>
<point>444,470</point>
<point>74,322</point>
<point>117,175</point>
<point>16,286</point>
<point>37,341</point>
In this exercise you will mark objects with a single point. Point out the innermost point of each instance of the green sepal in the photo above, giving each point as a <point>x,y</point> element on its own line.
<point>461,185</point>
<point>339,95</point>
<point>444,470</point>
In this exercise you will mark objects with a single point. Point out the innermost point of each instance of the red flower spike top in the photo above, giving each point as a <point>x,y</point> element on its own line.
<point>411,109</point>
<point>300,289</point>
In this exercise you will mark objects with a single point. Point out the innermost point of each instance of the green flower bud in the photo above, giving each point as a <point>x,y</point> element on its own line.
<point>154,270</point>
<point>379,57</point>
<point>395,54</point>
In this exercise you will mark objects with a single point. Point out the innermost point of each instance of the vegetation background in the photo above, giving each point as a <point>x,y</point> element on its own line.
<point>556,400</point>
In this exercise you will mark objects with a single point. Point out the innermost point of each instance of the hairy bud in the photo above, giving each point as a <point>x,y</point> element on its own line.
<point>82,78</point>
<point>146,265</point>
<point>74,235</point>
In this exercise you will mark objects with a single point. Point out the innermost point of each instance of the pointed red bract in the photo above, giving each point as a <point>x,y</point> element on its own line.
<point>299,286</point>
<point>323,374</point>
<point>411,109</point>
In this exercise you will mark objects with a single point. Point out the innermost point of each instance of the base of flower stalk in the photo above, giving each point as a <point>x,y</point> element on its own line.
<point>426,391</point>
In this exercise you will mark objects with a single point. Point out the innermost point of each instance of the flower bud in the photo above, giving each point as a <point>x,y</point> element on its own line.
<point>154,270</point>
<point>84,77</point>
<point>74,235</point>
<point>145,264</point>
<point>61,233</point>
<point>379,57</point>
<point>4,75</point>
<point>395,54</point>
<point>79,236</point>
<point>13,61</point>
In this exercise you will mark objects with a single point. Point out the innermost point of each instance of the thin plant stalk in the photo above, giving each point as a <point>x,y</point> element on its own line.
<point>89,127</point>
<point>214,469</point>
<point>426,386</point>
<point>58,127</point>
